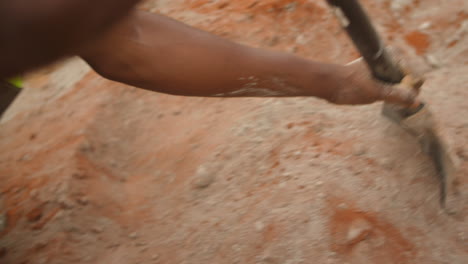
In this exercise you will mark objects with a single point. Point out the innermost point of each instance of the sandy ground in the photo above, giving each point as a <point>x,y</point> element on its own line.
<point>93,171</point>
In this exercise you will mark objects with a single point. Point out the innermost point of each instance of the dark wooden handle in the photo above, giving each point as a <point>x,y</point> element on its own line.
<point>360,29</point>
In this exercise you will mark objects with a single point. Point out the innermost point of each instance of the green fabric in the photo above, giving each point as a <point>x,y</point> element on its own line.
<point>17,82</point>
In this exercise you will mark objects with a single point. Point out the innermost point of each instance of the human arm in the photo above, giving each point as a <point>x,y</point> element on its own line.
<point>160,54</point>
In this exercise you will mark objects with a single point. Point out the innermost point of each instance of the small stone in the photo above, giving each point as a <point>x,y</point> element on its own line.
<point>259,226</point>
<point>398,5</point>
<point>297,154</point>
<point>65,202</point>
<point>462,153</point>
<point>155,257</point>
<point>343,206</point>
<point>462,237</point>
<point>388,164</point>
<point>82,200</point>
<point>143,249</point>
<point>273,41</point>
<point>425,25</point>
<point>321,195</point>
<point>236,247</point>
<point>257,140</point>
<point>86,147</point>
<point>113,245</point>
<point>97,229</point>
<point>358,231</point>
<point>292,49</point>
<point>433,61</point>
<point>79,176</point>
<point>291,7</point>
<point>34,215</point>
<point>319,183</point>
<point>133,235</point>
<point>301,40</point>
<point>73,229</point>
<point>287,175</point>
<point>140,244</point>
<point>34,194</point>
<point>266,260</point>
<point>113,164</point>
<point>359,151</point>
<point>203,178</point>
<point>40,245</point>
<point>246,17</point>
<point>26,157</point>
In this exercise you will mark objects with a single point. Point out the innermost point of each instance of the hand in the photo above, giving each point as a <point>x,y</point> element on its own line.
<point>354,84</point>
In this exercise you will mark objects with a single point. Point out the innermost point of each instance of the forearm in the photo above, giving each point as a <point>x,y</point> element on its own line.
<point>157,53</point>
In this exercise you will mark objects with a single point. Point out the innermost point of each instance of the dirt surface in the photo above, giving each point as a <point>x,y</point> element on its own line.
<point>93,171</point>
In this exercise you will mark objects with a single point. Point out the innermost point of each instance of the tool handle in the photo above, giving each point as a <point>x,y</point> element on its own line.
<point>359,27</point>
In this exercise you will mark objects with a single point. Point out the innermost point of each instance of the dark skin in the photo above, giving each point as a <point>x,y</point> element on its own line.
<point>157,53</point>
<point>34,33</point>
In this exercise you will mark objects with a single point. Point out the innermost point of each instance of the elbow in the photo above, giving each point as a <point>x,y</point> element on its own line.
<point>106,74</point>
<point>107,70</point>
<point>118,71</point>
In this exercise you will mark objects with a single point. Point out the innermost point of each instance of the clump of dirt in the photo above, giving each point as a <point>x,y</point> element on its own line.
<point>362,235</point>
<point>93,171</point>
<point>419,41</point>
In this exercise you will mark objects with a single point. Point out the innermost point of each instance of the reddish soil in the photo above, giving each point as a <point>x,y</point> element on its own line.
<point>419,41</point>
<point>94,171</point>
